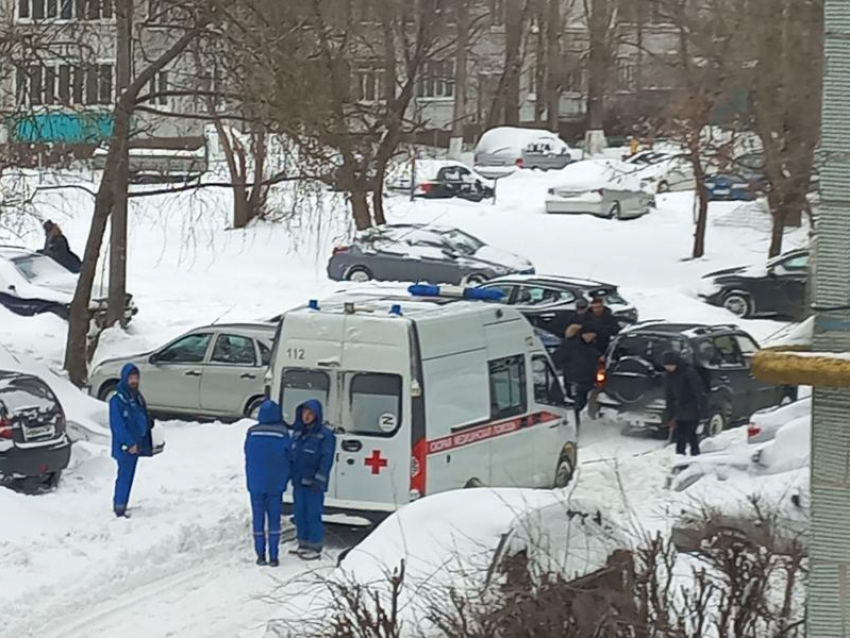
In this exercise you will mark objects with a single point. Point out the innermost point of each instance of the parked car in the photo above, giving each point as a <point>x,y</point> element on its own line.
<point>548,300</point>
<point>661,172</point>
<point>504,149</point>
<point>632,381</point>
<point>440,179</point>
<point>213,371</point>
<point>421,252</point>
<point>605,188</point>
<point>764,424</point>
<point>744,180</point>
<point>34,447</point>
<point>779,288</point>
<point>32,283</point>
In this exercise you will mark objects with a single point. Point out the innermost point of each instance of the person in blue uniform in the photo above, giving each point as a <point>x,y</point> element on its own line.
<point>267,466</point>
<point>313,449</point>
<point>130,423</point>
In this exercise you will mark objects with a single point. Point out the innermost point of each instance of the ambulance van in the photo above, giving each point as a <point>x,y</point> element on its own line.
<point>426,394</point>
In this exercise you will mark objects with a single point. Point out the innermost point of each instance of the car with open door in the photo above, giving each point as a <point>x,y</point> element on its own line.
<point>214,371</point>
<point>34,445</point>
<point>777,288</point>
<point>631,379</point>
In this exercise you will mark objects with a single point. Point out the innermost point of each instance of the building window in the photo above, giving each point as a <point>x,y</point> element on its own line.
<point>65,84</point>
<point>66,9</point>
<point>625,75</point>
<point>437,80</point>
<point>158,88</point>
<point>369,82</point>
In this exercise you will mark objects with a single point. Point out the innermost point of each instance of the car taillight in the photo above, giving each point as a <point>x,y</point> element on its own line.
<point>519,163</point>
<point>417,468</point>
<point>340,249</point>
<point>753,430</point>
<point>6,429</point>
<point>426,187</point>
<point>601,375</point>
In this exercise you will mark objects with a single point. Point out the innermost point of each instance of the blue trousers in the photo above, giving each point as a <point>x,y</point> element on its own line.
<point>308,508</point>
<point>124,481</point>
<point>265,510</point>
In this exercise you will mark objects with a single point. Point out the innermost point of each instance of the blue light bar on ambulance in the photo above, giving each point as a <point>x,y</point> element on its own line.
<point>456,292</point>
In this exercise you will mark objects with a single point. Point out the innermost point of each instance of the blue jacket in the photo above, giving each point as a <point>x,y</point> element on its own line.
<point>267,452</point>
<point>128,417</point>
<point>313,449</point>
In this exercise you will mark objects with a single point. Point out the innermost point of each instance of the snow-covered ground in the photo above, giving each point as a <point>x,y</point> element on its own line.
<point>182,565</point>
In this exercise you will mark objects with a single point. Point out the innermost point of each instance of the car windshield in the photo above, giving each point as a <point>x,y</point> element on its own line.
<point>461,242</point>
<point>648,347</point>
<point>39,269</point>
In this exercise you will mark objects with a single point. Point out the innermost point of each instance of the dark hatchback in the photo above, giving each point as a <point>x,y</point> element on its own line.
<point>632,381</point>
<point>34,446</point>
<point>548,300</point>
<point>779,288</point>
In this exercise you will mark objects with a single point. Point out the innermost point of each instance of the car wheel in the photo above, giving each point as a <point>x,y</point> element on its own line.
<point>564,472</point>
<point>615,212</point>
<point>359,274</point>
<point>107,391</point>
<point>663,187</point>
<point>253,409</point>
<point>476,279</point>
<point>739,304</point>
<point>717,422</point>
<point>473,482</point>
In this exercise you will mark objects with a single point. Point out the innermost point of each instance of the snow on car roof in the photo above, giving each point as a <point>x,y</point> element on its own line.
<point>597,173</point>
<point>514,138</point>
<point>555,279</point>
<point>10,252</point>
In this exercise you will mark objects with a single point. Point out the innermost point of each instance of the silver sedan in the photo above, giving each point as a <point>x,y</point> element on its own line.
<point>213,371</point>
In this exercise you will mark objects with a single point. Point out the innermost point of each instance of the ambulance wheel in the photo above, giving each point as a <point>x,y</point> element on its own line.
<point>564,473</point>
<point>473,482</point>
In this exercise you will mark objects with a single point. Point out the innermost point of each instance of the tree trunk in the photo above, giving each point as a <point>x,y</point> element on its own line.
<point>514,12</point>
<point>259,190</point>
<point>598,59</point>
<point>702,203</point>
<point>554,72</point>
<point>360,210</point>
<point>117,301</point>
<point>461,73</point>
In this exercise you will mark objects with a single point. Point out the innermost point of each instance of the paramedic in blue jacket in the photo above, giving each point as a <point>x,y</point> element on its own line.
<point>313,449</point>
<point>267,467</point>
<point>130,423</point>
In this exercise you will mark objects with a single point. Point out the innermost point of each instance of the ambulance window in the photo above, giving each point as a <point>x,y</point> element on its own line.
<point>375,404</point>
<point>547,387</point>
<point>507,387</point>
<point>299,386</point>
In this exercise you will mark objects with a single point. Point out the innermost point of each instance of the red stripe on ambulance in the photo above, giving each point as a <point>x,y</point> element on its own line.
<point>489,431</point>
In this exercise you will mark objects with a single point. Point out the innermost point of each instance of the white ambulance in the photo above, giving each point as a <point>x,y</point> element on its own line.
<point>426,394</point>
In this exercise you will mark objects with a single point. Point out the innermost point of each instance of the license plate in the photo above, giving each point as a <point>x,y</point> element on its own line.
<point>44,431</point>
<point>722,191</point>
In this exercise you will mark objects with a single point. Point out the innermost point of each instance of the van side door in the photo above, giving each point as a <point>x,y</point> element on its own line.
<point>553,429</point>
<point>512,450</point>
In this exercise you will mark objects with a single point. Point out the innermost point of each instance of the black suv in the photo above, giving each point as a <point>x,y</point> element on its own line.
<point>632,382</point>
<point>34,448</point>
<point>777,289</point>
<point>548,300</point>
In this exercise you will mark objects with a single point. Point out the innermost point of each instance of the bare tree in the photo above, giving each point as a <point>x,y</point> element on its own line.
<point>603,42</point>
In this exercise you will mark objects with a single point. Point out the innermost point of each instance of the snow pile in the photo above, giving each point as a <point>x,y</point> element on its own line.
<point>796,335</point>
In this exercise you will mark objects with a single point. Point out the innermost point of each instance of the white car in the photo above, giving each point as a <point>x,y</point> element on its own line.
<point>504,149</point>
<point>437,179</point>
<point>32,283</point>
<point>661,172</point>
<point>764,424</point>
<point>604,188</point>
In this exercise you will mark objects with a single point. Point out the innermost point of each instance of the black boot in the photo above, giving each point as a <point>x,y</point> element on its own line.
<point>121,512</point>
<point>261,560</point>
<point>274,562</point>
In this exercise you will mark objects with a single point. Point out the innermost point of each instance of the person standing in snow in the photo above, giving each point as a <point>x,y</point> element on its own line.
<point>580,361</point>
<point>57,248</point>
<point>313,449</point>
<point>604,323</point>
<point>130,423</point>
<point>267,466</point>
<point>686,402</point>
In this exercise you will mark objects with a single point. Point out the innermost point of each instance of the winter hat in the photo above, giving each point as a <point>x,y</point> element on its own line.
<point>48,226</point>
<point>581,304</point>
<point>671,358</point>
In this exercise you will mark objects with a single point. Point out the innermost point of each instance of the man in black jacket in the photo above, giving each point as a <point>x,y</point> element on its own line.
<point>56,247</point>
<point>686,402</point>
<point>580,361</point>
<point>604,321</point>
